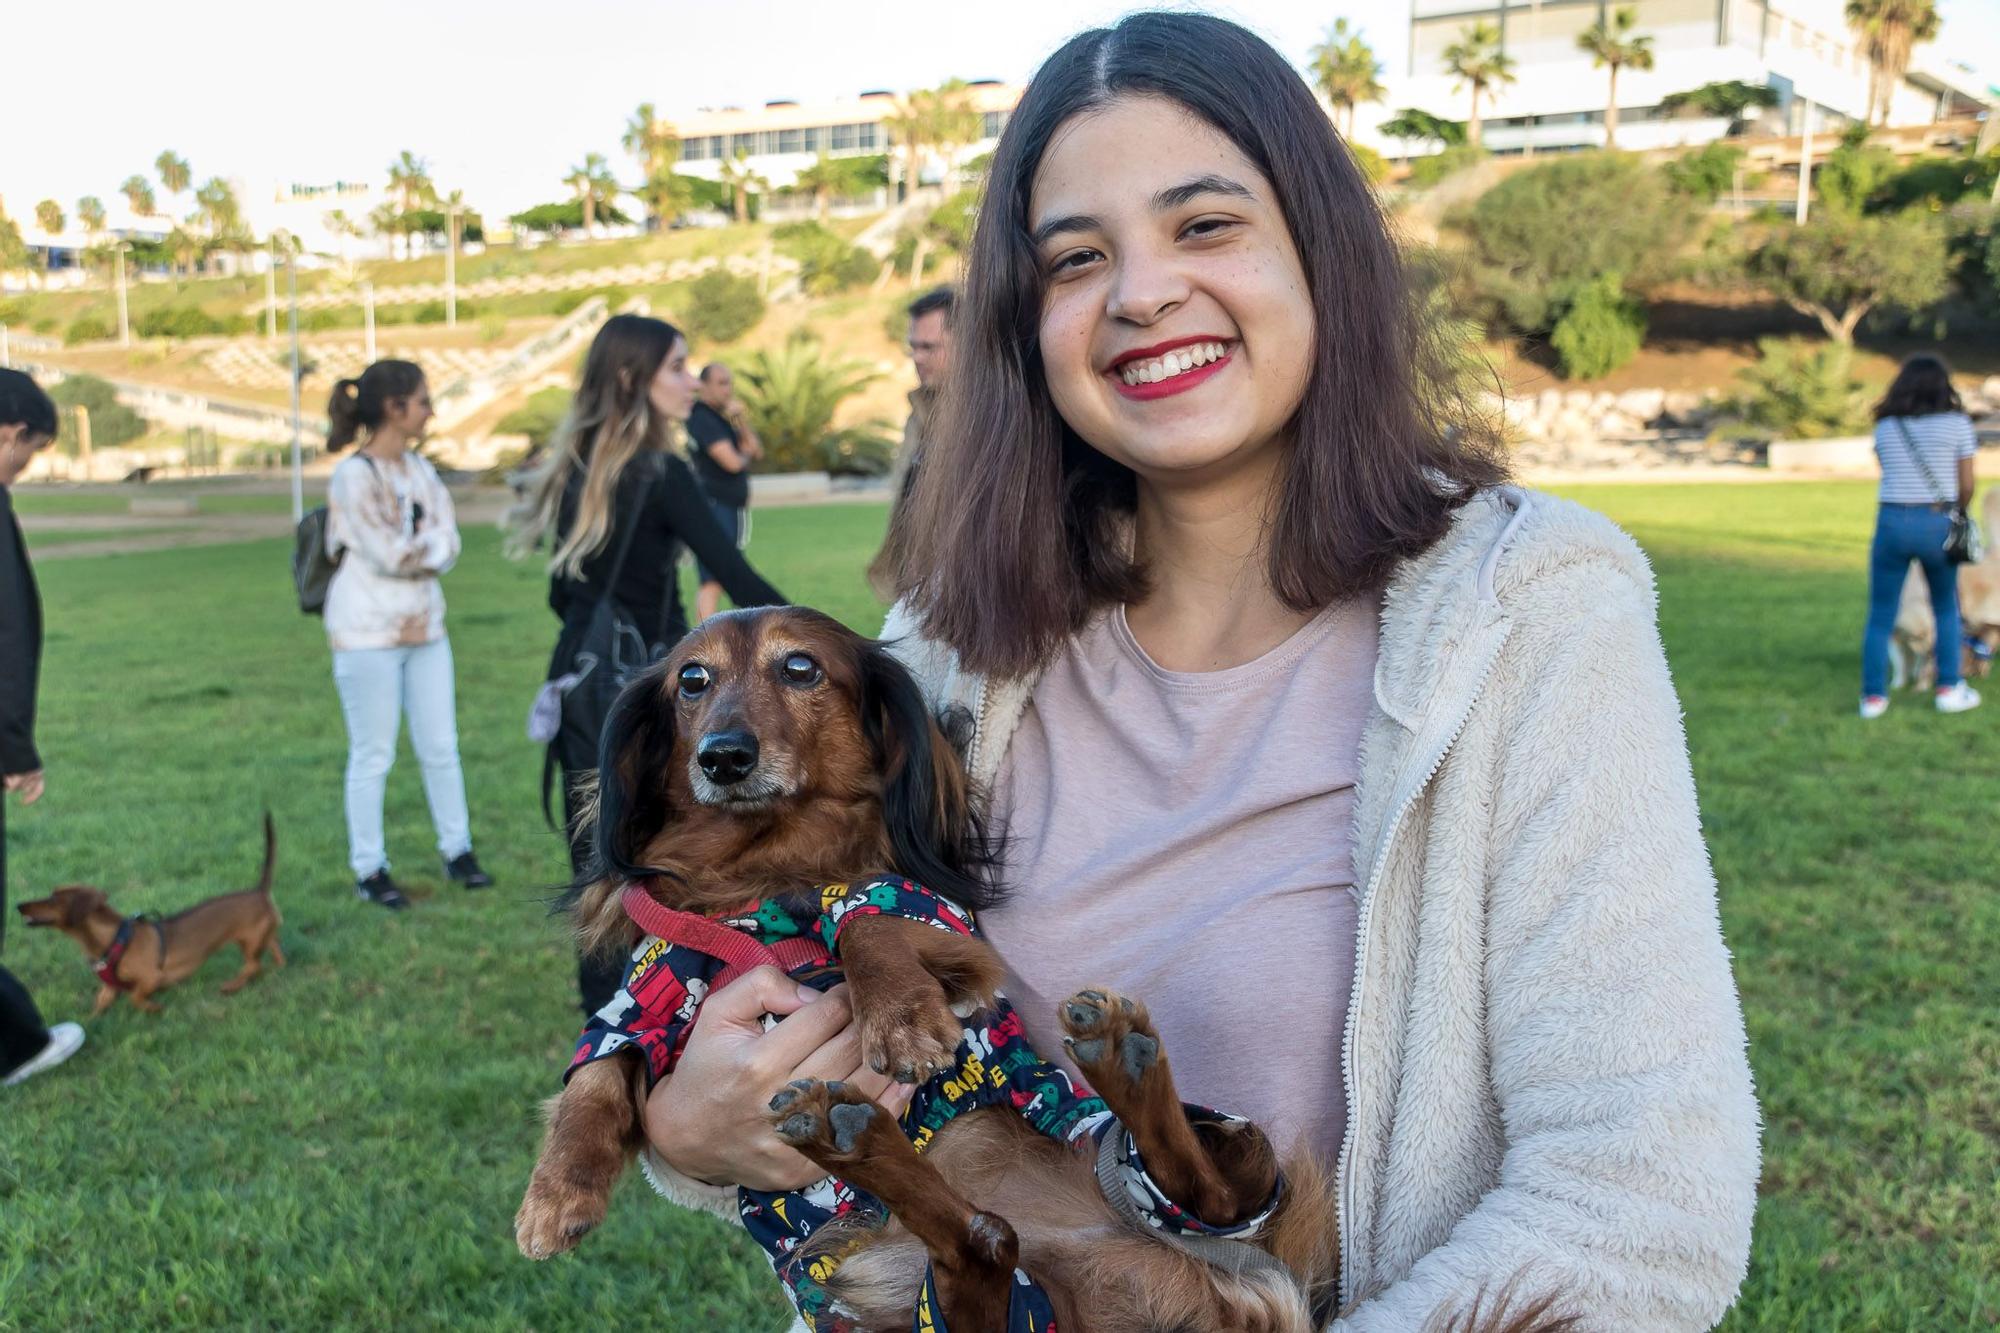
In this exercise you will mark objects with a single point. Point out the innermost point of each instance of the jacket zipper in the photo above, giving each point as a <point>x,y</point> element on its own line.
<point>1343,1175</point>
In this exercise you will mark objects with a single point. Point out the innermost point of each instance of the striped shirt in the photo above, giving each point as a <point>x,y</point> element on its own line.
<point>1941,437</point>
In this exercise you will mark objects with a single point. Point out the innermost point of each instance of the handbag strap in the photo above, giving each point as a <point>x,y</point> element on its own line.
<point>1916,456</point>
<point>625,544</point>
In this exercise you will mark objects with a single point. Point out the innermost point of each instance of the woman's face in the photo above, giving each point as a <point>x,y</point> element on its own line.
<point>672,391</point>
<point>410,414</point>
<point>1177,330</point>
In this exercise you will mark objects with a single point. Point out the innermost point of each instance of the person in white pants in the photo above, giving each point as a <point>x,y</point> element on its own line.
<point>391,525</point>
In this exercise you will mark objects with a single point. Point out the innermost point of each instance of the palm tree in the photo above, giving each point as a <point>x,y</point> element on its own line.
<point>1888,29</point>
<point>832,176</point>
<point>138,192</point>
<point>794,393</point>
<point>955,124</point>
<point>741,182</point>
<point>594,187</point>
<point>1476,59</point>
<point>1346,70</point>
<point>174,171</point>
<point>940,119</point>
<point>1614,46</point>
<point>90,212</point>
<point>410,183</point>
<point>49,217</point>
<point>657,148</point>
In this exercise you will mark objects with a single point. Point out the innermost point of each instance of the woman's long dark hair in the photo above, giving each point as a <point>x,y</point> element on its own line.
<point>1921,387</point>
<point>1020,530</point>
<point>364,402</point>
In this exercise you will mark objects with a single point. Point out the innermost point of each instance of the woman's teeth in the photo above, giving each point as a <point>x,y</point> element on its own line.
<point>1177,362</point>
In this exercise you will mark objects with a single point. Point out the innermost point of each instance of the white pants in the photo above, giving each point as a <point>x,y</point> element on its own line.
<point>376,685</point>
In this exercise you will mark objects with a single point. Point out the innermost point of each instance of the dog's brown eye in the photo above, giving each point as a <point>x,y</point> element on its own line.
<point>801,670</point>
<point>694,679</point>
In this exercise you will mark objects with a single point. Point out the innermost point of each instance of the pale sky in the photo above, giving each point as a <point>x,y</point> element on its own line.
<point>504,96</point>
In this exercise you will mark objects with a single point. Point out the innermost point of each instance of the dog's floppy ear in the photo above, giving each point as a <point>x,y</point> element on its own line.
<point>926,802</point>
<point>633,752</point>
<point>77,905</point>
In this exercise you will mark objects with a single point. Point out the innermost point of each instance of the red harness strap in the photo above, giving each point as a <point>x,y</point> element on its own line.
<point>737,952</point>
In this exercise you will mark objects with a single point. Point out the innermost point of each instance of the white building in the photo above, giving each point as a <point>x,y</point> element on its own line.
<point>782,138</point>
<point>1802,48</point>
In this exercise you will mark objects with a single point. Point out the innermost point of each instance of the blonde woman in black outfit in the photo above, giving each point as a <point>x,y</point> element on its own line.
<point>614,493</point>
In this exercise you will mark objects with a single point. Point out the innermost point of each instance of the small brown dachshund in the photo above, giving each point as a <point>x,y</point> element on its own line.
<point>145,955</point>
<point>775,750</point>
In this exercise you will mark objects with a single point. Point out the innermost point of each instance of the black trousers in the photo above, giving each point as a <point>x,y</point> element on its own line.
<point>597,977</point>
<point>22,1032</point>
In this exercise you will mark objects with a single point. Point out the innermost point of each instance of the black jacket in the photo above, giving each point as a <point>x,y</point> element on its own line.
<point>20,646</point>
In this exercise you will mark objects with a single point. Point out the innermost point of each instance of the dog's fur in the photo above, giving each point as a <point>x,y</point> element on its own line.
<point>854,777</point>
<point>166,952</point>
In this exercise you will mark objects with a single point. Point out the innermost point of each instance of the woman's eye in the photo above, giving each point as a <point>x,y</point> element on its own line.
<point>801,670</point>
<point>1075,259</point>
<point>1206,227</point>
<point>694,679</point>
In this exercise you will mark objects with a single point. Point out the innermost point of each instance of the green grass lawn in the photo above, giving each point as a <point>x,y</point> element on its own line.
<point>343,1145</point>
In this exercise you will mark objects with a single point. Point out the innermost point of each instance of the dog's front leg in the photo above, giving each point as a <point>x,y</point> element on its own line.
<point>972,1253</point>
<point>594,1129</point>
<point>105,995</point>
<point>906,977</point>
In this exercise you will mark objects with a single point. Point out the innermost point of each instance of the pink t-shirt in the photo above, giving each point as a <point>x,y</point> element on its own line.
<point>1186,838</point>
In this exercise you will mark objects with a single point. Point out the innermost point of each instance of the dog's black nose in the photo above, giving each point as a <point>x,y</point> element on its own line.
<point>727,756</point>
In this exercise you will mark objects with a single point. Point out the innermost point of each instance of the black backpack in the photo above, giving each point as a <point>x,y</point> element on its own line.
<point>312,567</point>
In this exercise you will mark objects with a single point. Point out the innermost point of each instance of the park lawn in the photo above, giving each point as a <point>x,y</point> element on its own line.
<point>343,1145</point>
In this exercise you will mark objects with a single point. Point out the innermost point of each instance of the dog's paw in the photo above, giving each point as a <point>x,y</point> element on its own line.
<point>554,1217</point>
<point>910,1039</point>
<point>1111,1039</point>
<point>828,1122</point>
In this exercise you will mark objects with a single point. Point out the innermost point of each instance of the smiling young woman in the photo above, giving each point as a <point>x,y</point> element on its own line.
<point>1362,767</point>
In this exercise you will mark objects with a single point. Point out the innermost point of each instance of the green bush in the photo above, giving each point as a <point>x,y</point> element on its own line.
<point>1853,173</point>
<point>1974,249</point>
<point>1601,330</point>
<point>827,264</point>
<point>190,322</point>
<point>1704,174</point>
<point>1373,165</point>
<point>721,307</point>
<point>1541,236</point>
<point>327,317</point>
<point>538,417</point>
<point>432,312</point>
<point>1803,391</point>
<point>1428,171</point>
<point>569,302</point>
<point>1940,182</point>
<point>794,393</point>
<point>111,422</point>
<point>88,329</point>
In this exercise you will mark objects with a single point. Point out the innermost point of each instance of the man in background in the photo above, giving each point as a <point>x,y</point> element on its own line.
<point>722,447</point>
<point>27,423</point>
<point>930,356</point>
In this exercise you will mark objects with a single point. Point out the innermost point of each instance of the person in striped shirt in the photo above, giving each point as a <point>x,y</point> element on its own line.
<point>1926,444</point>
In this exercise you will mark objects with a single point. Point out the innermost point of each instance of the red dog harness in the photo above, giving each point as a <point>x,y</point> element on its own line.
<point>106,967</point>
<point>737,951</point>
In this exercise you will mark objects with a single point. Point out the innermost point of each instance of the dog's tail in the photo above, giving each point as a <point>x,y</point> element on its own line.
<point>270,855</point>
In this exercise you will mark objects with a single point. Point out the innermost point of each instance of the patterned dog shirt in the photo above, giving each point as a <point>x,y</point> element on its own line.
<point>994,1066</point>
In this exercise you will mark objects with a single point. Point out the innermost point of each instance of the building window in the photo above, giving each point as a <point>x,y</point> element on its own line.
<point>815,139</point>
<point>791,141</point>
<point>991,123</point>
<point>870,136</point>
<point>843,136</point>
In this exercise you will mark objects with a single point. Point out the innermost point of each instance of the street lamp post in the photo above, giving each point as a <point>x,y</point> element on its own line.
<point>124,321</point>
<point>271,291</point>
<point>451,267</point>
<point>1805,167</point>
<point>298,462</point>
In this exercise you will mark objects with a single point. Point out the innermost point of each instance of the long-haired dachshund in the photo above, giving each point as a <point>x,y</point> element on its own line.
<point>144,955</point>
<point>754,789</point>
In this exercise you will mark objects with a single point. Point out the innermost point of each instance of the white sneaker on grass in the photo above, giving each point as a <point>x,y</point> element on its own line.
<point>64,1041</point>
<point>1959,698</point>
<point>1874,705</point>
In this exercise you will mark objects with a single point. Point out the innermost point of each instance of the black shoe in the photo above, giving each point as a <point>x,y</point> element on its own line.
<point>379,888</point>
<point>464,869</point>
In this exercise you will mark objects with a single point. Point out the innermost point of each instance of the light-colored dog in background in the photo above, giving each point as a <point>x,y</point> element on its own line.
<point>1913,642</point>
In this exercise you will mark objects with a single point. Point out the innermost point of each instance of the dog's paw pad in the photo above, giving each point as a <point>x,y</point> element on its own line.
<point>850,1122</point>
<point>1138,1052</point>
<point>1088,1051</point>
<point>800,1128</point>
<point>790,1093</point>
<point>1081,1014</point>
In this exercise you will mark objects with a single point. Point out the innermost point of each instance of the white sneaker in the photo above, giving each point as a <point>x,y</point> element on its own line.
<point>65,1039</point>
<point>1959,698</point>
<point>1874,705</point>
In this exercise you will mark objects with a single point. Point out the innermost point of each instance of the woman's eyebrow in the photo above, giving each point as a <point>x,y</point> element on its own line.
<point>1175,196</point>
<point>1057,226</point>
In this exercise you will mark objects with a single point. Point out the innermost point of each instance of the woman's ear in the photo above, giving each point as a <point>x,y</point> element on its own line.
<point>925,800</point>
<point>633,753</point>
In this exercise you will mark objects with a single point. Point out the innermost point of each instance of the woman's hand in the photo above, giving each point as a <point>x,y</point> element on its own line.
<point>710,1119</point>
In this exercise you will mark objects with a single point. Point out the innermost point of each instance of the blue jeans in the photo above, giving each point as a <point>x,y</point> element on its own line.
<point>376,685</point>
<point>1904,533</point>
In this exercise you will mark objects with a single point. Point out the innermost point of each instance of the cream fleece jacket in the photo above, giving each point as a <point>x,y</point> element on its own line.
<point>385,593</point>
<point>1545,1056</point>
